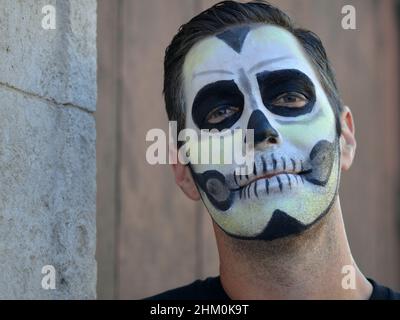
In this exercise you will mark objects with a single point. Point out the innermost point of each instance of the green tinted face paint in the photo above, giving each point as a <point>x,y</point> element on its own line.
<point>259,78</point>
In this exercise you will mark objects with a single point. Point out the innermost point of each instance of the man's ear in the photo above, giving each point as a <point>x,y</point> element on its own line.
<point>183,178</point>
<point>348,142</point>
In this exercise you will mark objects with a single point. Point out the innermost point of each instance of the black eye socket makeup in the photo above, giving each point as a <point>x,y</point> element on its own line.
<point>223,94</point>
<point>273,84</point>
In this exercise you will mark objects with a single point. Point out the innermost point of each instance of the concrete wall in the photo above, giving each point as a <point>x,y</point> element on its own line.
<point>47,149</point>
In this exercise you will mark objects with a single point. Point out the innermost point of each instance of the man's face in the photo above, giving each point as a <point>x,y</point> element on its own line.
<point>260,78</point>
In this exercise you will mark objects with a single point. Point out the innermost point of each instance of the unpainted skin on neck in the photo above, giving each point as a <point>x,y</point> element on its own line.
<point>305,266</point>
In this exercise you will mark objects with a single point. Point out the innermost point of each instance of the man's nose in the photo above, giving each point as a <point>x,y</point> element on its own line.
<point>264,133</point>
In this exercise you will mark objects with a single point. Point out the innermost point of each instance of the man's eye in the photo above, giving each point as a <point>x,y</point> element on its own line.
<point>219,114</point>
<point>291,100</point>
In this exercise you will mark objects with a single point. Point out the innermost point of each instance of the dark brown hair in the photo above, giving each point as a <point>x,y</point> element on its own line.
<point>226,14</point>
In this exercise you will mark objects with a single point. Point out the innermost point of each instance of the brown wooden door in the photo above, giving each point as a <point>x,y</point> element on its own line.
<point>150,236</point>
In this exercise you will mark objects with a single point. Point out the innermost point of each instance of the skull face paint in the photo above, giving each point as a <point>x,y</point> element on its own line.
<point>259,77</point>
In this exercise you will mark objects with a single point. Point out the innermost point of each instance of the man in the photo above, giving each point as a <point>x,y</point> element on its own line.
<point>279,228</point>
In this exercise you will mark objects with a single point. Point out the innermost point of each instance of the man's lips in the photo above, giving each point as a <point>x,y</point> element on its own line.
<point>270,175</point>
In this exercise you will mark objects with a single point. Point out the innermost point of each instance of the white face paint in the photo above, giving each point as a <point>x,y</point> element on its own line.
<point>265,83</point>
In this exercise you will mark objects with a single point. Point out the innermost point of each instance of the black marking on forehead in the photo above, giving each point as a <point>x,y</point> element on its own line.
<point>234,37</point>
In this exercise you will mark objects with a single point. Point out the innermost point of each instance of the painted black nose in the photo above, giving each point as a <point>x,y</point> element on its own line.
<point>263,131</point>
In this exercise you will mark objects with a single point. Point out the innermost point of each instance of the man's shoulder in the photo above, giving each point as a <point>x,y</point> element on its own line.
<point>381,292</point>
<point>211,289</point>
<point>207,289</point>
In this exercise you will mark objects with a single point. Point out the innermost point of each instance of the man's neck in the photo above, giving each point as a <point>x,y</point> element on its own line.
<point>307,266</point>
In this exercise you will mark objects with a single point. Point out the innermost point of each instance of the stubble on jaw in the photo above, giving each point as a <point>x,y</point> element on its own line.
<point>285,258</point>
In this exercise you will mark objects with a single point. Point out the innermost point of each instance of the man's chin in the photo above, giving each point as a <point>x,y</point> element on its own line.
<point>281,226</point>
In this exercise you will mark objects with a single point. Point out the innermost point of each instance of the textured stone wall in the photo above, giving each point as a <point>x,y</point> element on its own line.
<point>47,149</point>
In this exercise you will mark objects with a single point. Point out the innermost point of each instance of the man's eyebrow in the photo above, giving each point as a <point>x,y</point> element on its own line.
<point>259,65</point>
<point>264,63</point>
<point>219,71</point>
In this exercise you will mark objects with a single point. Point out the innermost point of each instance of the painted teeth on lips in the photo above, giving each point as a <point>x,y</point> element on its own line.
<point>270,175</point>
<point>245,181</point>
